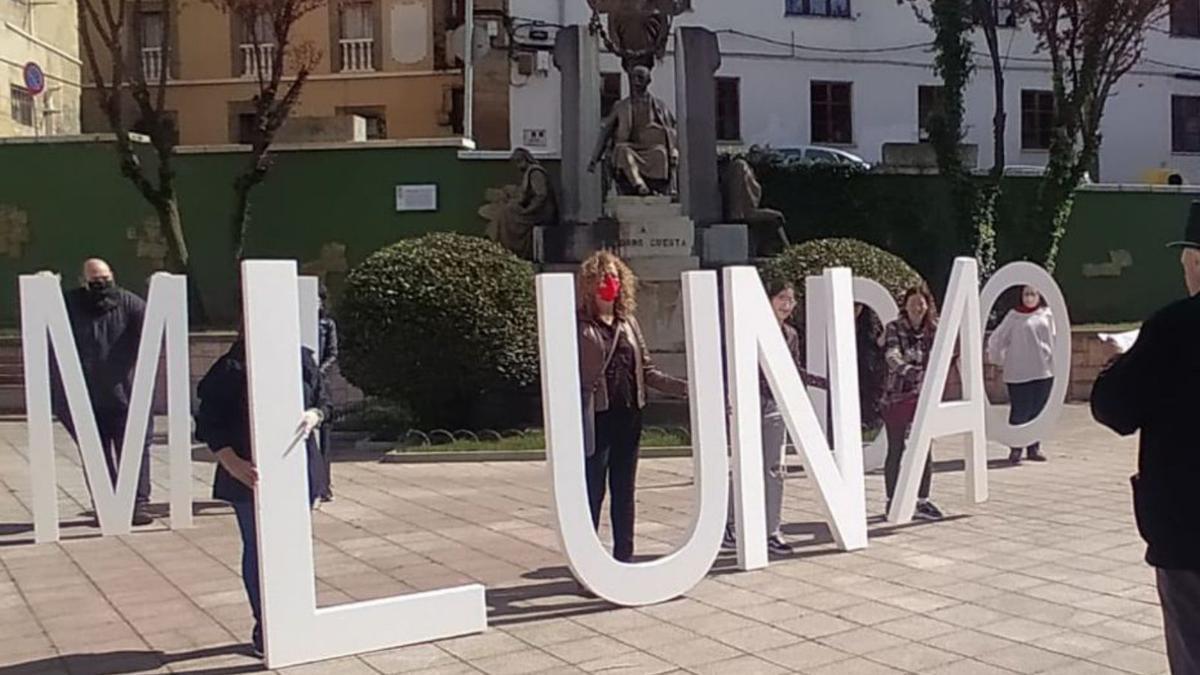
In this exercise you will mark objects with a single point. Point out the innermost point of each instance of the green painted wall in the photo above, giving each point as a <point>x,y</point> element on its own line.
<point>1125,227</point>
<point>78,205</point>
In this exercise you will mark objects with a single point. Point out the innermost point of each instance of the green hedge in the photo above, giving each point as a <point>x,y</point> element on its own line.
<point>799,262</point>
<point>447,324</point>
<point>908,215</point>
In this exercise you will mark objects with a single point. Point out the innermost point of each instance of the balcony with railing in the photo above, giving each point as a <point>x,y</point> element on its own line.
<point>152,63</point>
<point>257,60</point>
<point>358,55</point>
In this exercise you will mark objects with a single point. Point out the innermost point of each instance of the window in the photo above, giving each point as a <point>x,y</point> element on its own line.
<point>22,105</point>
<point>150,26</point>
<point>1037,119</point>
<point>610,92</point>
<point>1185,18</point>
<point>831,113</point>
<point>835,8</point>
<point>258,29</point>
<point>356,48</point>
<point>457,106</point>
<point>356,21</point>
<point>150,32</point>
<point>170,124</point>
<point>1006,15</point>
<point>929,103</point>
<point>247,130</point>
<point>1185,123</point>
<point>729,109</point>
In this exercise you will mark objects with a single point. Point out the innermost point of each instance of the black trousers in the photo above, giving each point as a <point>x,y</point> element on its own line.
<point>1028,400</point>
<point>111,425</point>
<point>327,456</point>
<point>898,421</point>
<point>1179,592</point>
<point>613,465</point>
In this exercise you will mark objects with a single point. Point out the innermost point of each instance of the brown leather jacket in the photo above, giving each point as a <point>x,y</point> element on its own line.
<point>593,350</point>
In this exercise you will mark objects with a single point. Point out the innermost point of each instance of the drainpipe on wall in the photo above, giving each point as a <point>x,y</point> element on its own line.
<point>469,73</point>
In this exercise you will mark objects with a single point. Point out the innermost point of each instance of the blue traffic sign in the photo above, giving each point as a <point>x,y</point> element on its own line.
<point>35,79</point>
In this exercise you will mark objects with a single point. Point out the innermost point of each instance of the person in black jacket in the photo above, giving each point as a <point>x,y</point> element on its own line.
<point>327,348</point>
<point>107,324</point>
<point>223,423</point>
<point>1153,388</point>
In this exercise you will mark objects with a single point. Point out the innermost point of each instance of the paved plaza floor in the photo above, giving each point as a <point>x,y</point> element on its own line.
<point>1047,577</point>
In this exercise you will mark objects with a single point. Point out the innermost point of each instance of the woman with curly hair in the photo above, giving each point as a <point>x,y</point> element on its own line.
<point>908,342</point>
<point>615,370</point>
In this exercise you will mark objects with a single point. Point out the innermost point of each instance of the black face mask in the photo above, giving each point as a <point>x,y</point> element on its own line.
<point>103,293</point>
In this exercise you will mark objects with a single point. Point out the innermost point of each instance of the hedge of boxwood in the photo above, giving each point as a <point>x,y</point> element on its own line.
<point>444,323</point>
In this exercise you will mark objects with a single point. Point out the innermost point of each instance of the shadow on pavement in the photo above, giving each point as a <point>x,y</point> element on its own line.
<point>134,661</point>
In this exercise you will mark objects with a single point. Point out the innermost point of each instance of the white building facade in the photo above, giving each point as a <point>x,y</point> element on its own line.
<point>856,74</point>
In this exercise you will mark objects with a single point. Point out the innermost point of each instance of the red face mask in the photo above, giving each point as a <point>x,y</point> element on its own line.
<point>609,289</point>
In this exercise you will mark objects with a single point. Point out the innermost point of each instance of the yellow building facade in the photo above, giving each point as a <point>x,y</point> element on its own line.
<point>47,34</point>
<point>391,62</point>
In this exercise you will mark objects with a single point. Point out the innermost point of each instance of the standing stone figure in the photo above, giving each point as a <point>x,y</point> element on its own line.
<point>638,29</point>
<point>639,140</point>
<point>743,196</point>
<point>514,211</point>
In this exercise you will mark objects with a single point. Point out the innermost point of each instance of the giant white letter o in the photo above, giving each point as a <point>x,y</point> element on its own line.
<point>1038,430</point>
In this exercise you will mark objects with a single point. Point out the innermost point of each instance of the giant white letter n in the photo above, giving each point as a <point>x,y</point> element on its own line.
<point>753,338</point>
<point>44,321</point>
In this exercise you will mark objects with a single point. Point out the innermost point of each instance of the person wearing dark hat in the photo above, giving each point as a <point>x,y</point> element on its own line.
<point>1153,389</point>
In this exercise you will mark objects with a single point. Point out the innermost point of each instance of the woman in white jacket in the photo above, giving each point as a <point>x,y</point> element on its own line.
<point>1024,345</point>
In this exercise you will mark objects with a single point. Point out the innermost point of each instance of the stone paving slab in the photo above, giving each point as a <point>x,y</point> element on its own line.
<point>1046,577</point>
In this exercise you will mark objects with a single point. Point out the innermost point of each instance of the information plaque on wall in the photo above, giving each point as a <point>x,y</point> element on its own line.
<point>416,197</point>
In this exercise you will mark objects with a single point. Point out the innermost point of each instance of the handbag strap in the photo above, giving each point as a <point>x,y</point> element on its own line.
<point>619,328</point>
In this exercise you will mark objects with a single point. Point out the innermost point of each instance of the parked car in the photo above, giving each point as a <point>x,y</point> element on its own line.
<point>1025,171</point>
<point>816,154</point>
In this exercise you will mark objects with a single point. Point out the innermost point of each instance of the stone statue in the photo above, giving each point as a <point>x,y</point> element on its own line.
<point>743,196</point>
<point>638,29</point>
<point>639,142</point>
<point>514,210</point>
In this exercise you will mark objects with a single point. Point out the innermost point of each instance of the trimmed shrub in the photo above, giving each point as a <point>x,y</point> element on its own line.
<point>811,258</point>
<point>445,323</point>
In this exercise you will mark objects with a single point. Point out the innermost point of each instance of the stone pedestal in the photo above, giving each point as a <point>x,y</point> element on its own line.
<point>577,55</point>
<point>697,58</point>
<point>658,242</point>
<point>567,243</point>
<point>725,245</point>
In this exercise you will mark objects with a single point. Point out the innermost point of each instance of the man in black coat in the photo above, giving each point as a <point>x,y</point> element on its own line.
<point>107,323</point>
<point>1154,388</point>
<point>223,424</point>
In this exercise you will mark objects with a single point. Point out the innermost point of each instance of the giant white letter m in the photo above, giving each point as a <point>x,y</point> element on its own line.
<point>43,322</point>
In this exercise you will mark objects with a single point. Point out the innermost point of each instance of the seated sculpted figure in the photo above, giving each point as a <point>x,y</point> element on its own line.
<point>515,210</point>
<point>639,140</point>
<point>743,198</point>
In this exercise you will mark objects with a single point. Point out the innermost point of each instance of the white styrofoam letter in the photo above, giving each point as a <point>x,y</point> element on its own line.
<point>296,631</point>
<point>310,314</point>
<point>960,321</point>
<point>753,339</point>
<point>1040,428</point>
<point>633,584</point>
<point>44,321</point>
<point>875,297</point>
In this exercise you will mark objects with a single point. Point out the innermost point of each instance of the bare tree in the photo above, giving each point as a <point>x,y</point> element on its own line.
<point>112,36</point>
<point>269,26</point>
<point>1091,45</point>
<point>953,23</point>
